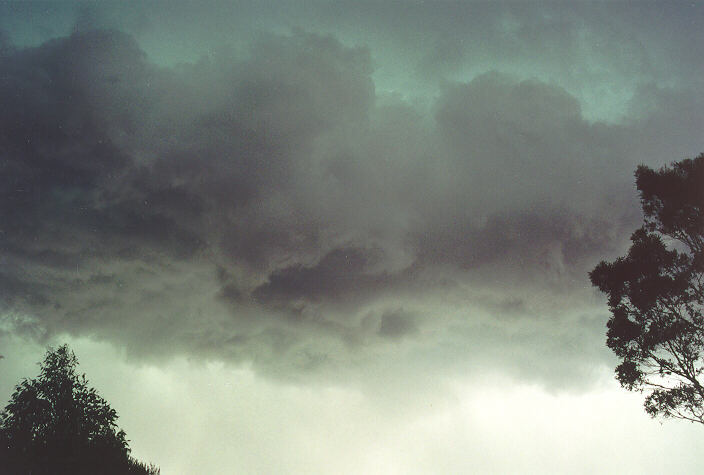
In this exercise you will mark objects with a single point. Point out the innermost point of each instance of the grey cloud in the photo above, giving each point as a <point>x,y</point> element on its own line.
<point>396,324</point>
<point>15,288</point>
<point>272,207</point>
<point>530,137</point>
<point>338,274</point>
<point>551,241</point>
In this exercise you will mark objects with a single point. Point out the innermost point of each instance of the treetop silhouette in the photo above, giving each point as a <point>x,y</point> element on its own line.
<point>656,293</point>
<point>57,424</point>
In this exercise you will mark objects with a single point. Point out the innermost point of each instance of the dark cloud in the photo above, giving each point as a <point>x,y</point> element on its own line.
<point>272,206</point>
<point>532,139</point>
<point>338,274</point>
<point>396,324</point>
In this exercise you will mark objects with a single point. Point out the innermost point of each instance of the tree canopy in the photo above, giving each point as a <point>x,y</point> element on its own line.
<point>57,424</point>
<point>656,293</point>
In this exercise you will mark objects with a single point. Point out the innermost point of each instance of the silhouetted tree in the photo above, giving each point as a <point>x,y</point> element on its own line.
<point>656,293</point>
<point>57,424</point>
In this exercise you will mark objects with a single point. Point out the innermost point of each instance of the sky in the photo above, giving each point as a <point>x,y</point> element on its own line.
<point>341,237</point>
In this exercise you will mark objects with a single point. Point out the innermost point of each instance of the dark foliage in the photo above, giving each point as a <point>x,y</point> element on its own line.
<point>656,293</point>
<point>57,424</point>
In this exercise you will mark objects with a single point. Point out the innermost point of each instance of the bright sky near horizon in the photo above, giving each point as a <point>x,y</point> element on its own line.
<point>341,237</point>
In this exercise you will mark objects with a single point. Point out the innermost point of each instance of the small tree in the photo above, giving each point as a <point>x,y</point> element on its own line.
<point>57,424</point>
<point>656,294</point>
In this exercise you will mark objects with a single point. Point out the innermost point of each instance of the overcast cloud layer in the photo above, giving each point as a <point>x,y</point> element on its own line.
<point>341,237</point>
<point>278,203</point>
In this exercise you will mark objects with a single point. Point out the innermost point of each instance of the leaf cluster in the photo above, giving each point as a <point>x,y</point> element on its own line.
<point>56,423</point>
<point>656,293</point>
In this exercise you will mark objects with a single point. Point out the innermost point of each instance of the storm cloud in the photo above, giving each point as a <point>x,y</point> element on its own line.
<point>341,237</point>
<point>277,204</point>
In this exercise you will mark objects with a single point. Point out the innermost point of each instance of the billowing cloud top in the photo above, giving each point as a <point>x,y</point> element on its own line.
<point>278,204</point>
